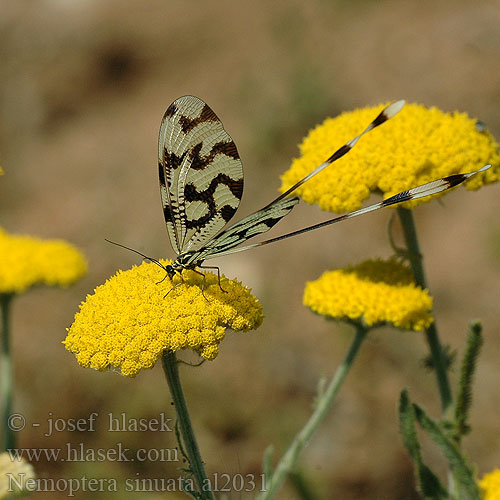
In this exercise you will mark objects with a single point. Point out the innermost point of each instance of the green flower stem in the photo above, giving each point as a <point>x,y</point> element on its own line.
<point>437,353</point>
<point>171,370</point>
<point>8,437</point>
<point>324,402</point>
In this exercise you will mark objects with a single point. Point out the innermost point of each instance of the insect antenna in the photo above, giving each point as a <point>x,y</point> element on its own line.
<point>151,259</point>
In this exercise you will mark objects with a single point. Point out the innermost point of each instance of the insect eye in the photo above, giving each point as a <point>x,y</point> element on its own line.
<point>170,270</point>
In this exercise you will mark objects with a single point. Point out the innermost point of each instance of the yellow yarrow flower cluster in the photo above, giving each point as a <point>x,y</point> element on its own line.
<point>128,322</point>
<point>490,484</point>
<point>26,261</point>
<point>12,472</point>
<point>374,292</point>
<point>418,145</point>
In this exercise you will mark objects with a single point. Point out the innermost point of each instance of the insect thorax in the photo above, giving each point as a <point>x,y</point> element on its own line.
<point>187,260</point>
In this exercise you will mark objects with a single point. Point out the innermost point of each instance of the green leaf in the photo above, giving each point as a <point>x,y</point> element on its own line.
<point>449,359</point>
<point>427,482</point>
<point>267,463</point>
<point>462,473</point>
<point>180,443</point>
<point>469,362</point>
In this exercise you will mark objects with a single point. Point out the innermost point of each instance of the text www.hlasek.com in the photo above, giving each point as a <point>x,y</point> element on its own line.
<point>79,453</point>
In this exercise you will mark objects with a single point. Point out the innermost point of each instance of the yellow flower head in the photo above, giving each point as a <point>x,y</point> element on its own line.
<point>12,473</point>
<point>490,484</point>
<point>128,322</point>
<point>418,145</point>
<point>26,261</point>
<point>1,171</point>
<point>374,292</point>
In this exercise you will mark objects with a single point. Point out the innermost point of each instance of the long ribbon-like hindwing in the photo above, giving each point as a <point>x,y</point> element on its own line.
<point>427,189</point>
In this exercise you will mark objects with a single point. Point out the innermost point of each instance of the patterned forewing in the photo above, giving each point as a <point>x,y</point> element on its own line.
<point>201,176</point>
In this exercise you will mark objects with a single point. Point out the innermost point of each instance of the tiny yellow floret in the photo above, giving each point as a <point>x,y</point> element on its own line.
<point>14,473</point>
<point>374,292</point>
<point>490,485</point>
<point>27,261</point>
<point>418,145</point>
<point>130,320</point>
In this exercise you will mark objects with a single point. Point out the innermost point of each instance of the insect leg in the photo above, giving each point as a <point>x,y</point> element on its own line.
<point>203,284</point>
<point>173,288</point>
<point>218,274</point>
<point>163,279</point>
<point>176,285</point>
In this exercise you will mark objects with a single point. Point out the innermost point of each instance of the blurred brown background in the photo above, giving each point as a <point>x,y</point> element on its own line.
<point>84,85</point>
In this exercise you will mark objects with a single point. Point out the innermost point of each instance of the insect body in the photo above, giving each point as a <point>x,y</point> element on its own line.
<point>201,185</point>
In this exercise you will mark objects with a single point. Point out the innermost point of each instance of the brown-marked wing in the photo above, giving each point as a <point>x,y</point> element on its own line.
<point>201,176</point>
